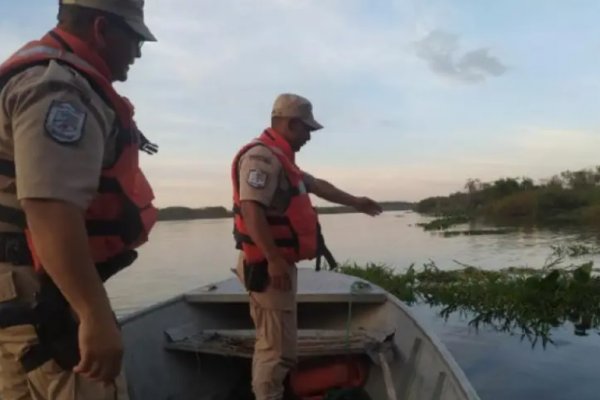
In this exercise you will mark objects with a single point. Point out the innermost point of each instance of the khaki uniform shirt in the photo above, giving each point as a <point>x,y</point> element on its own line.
<point>58,132</point>
<point>262,179</point>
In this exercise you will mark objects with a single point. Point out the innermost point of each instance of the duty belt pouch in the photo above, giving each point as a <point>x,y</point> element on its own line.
<point>256,276</point>
<point>56,327</point>
<point>119,262</point>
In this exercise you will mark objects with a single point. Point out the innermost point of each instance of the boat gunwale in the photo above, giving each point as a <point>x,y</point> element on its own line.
<point>465,385</point>
<point>142,312</point>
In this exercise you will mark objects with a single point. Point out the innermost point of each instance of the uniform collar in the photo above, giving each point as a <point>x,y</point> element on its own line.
<point>274,138</point>
<point>85,52</point>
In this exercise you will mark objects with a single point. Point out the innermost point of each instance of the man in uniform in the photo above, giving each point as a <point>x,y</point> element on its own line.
<point>73,203</point>
<point>275,227</point>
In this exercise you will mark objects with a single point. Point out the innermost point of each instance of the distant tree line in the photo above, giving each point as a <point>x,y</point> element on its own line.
<point>385,205</point>
<point>186,213</point>
<point>570,197</point>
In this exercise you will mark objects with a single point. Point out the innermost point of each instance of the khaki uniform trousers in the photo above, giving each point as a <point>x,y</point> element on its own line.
<point>49,381</point>
<point>275,318</point>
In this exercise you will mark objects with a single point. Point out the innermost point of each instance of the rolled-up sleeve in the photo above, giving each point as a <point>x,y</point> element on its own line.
<point>259,172</point>
<point>58,139</point>
<point>309,181</point>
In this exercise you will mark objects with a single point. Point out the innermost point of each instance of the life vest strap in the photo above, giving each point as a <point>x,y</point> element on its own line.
<point>242,238</point>
<point>271,219</point>
<point>323,251</point>
<point>109,185</point>
<point>13,216</point>
<point>103,228</point>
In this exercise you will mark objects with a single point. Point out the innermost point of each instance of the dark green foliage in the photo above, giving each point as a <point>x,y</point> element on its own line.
<point>524,301</point>
<point>568,198</point>
<point>444,223</point>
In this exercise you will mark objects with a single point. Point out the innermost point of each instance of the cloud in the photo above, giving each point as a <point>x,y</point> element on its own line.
<point>441,51</point>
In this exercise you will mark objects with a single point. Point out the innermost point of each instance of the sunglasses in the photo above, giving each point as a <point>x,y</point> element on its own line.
<point>122,25</point>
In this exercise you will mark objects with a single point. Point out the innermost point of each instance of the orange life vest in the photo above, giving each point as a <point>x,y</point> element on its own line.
<point>313,378</point>
<point>296,232</point>
<point>121,215</point>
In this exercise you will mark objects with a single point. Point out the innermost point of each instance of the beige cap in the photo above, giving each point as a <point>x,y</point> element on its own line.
<point>293,106</point>
<point>132,11</point>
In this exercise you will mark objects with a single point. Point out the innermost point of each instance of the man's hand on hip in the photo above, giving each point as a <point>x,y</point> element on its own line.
<point>279,274</point>
<point>101,349</point>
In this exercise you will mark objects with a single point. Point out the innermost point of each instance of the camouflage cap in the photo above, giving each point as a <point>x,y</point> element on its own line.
<point>293,106</point>
<point>132,12</point>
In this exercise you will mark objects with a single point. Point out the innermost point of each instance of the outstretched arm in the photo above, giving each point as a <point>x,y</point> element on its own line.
<point>327,191</point>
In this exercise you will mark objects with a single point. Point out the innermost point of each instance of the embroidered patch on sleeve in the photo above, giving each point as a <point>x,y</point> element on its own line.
<point>257,178</point>
<point>65,122</point>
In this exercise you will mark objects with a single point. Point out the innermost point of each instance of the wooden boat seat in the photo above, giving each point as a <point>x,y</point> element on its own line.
<point>240,342</point>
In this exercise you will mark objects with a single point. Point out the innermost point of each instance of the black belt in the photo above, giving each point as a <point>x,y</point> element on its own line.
<point>15,313</point>
<point>14,249</point>
<point>51,317</point>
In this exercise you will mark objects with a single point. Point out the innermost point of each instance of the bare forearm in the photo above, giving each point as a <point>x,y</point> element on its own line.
<point>60,238</point>
<point>258,229</point>
<point>327,191</point>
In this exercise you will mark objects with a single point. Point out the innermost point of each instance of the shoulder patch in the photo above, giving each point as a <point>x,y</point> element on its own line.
<point>257,178</point>
<point>65,122</point>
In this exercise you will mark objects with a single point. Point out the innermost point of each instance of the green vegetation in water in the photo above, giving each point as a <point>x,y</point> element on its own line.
<point>476,232</point>
<point>517,300</point>
<point>572,197</point>
<point>444,223</point>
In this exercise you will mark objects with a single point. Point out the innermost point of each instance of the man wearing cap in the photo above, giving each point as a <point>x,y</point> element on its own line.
<point>74,204</point>
<point>275,227</point>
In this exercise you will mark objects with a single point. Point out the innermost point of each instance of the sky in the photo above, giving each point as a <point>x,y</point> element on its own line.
<point>416,96</point>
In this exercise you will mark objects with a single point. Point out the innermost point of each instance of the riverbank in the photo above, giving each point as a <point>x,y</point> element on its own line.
<point>186,213</point>
<point>569,198</point>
